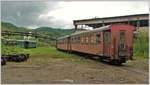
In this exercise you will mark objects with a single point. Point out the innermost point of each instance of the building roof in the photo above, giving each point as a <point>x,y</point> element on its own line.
<point>112,17</point>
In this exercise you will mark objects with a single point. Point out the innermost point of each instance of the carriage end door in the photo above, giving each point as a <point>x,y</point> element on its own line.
<point>122,44</point>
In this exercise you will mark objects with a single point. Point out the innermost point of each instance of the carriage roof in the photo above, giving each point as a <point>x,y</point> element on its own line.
<point>94,30</point>
<point>19,40</point>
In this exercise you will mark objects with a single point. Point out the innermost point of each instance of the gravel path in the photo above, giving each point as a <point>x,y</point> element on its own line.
<point>86,72</point>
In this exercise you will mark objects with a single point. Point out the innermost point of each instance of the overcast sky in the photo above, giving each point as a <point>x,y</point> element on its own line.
<point>60,14</point>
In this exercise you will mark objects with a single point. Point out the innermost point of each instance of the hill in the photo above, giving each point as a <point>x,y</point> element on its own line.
<point>5,26</point>
<point>45,31</point>
<point>55,32</point>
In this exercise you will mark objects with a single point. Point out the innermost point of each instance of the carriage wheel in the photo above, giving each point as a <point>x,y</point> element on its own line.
<point>115,62</point>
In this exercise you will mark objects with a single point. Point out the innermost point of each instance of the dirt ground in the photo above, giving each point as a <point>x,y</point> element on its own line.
<point>53,70</point>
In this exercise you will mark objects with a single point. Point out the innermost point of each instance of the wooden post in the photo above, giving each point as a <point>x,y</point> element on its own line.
<point>75,28</point>
<point>103,23</point>
<point>128,21</point>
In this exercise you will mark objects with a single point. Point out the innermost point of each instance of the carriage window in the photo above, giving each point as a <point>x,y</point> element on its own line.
<point>86,39</point>
<point>74,40</point>
<point>122,37</point>
<point>93,39</point>
<point>63,41</point>
<point>78,39</point>
<point>90,38</point>
<point>59,41</point>
<point>98,38</point>
<point>82,39</point>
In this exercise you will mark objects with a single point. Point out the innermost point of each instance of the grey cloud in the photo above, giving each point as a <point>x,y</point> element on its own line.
<point>25,13</point>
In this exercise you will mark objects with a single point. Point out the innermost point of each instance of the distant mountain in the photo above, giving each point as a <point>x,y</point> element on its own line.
<point>5,26</point>
<point>46,31</point>
<point>53,31</point>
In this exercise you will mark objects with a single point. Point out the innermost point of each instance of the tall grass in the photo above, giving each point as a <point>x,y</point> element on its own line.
<point>141,44</point>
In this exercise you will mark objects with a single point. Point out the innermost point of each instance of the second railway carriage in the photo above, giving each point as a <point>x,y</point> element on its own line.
<point>112,42</point>
<point>20,43</point>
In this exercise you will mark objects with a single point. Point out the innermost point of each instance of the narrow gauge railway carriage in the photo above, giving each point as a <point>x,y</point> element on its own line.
<point>20,43</point>
<point>113,43</point>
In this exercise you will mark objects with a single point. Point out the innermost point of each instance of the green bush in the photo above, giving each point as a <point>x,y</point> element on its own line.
<point>141,44</point>
<point>12,50</point>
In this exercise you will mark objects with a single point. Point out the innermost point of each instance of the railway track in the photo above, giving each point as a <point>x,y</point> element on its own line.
<point>135,71</point>
<point>124,67</point>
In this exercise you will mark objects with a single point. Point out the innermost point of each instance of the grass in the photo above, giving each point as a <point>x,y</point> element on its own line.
<point>48,51</point>
<point>41,54</point>
<point>52,52</point>
<point>141,44</point>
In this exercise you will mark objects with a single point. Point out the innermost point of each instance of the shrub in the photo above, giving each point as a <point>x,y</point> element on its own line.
<point>141,44</point>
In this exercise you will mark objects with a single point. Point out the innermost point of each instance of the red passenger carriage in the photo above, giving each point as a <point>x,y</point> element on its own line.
<point>112,42</point>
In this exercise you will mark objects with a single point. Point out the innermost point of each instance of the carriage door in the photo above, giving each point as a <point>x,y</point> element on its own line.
<point>122,44</point>
<point>107,41</point>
